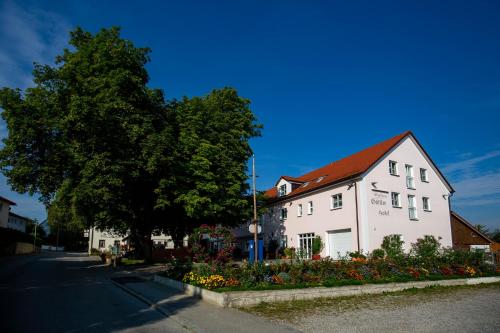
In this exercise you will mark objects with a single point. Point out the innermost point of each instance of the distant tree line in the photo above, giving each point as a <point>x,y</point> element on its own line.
<point>103,149</point>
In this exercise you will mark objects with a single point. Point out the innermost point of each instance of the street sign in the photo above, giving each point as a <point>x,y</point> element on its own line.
<point>251,228</point>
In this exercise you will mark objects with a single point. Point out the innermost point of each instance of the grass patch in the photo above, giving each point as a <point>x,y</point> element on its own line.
<point>386,300</point>
<point>130,262</point>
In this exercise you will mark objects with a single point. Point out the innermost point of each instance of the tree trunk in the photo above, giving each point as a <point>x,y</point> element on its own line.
<point>178,238</point>
<point>178,243</point>
<point>147,248</point>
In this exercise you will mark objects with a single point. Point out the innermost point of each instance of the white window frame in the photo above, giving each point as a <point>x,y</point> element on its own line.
<point>394,172</point>
<point>310,208</point>
<point>282,190</point>
<point>336,201</point>
<point>305,244</point>
<point>426,207</point>
<point>410,179</point>
<point>412,207</point>
<point>299,210</point>
<point>396,203</point>
<point>424,175</point>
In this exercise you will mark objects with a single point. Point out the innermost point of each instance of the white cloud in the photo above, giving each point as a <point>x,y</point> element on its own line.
<point>487,184</point>
<point>477,202</point>
<point>469,164</point>
<point>28,35</point>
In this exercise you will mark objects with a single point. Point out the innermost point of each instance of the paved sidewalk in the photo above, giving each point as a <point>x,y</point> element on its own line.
<point>195,315</point>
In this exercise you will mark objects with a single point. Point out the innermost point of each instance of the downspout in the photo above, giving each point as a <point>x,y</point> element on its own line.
<point>357,217</point>
<point>449,211</point>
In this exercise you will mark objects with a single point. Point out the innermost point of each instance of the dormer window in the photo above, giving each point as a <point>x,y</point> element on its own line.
<point>305,184</point>
<point>319,179</point>
<point>282,190</point>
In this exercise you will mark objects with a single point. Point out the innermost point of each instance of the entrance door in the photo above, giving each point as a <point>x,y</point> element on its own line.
<point>339,243</point>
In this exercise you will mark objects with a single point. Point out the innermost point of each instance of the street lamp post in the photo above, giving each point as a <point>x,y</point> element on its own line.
<point>34,238</point>
<point>255,230</point>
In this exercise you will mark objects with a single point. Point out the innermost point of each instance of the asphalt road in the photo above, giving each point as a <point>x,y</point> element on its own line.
<point>70,292</point>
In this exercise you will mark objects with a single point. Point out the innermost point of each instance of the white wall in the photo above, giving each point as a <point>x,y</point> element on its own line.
<point>323,218</point>
<point>377,217</point>
<point>383,219</point>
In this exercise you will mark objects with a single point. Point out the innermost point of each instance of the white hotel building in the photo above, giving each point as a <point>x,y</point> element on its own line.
<point>390,188</point>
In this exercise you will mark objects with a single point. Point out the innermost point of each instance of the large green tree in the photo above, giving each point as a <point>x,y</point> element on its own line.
<point>211,155</point>
<point>103,149</point>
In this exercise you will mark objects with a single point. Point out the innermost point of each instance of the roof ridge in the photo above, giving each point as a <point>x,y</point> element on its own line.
<point>348,166</point>
<point>402,135</point>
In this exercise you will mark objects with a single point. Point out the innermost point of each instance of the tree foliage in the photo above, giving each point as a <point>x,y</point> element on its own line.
<point>104,149</point>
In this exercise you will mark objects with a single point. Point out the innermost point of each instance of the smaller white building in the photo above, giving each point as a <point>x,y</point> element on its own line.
<point>102,240</point>
<point>5,205</point>
<point>18,222</point>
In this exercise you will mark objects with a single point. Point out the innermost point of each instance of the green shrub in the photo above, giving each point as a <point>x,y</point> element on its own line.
<point>290,252</point>
<point>284,276</point>
<point>357,254</point>
<point>393,246</point>
<point>317,245</point>
<point>378,254</point>
<point>426,250</point>
<point>177,268</point>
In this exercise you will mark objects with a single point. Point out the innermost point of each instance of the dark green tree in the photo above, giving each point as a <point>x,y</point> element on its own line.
<point>80,136</point>
<point>103,149</point>
<point>211,158</point>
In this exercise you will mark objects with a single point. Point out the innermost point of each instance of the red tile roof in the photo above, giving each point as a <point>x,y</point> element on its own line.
<point>348,167</point>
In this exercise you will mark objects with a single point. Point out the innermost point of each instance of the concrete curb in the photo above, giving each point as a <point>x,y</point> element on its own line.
<point>220,299</point>
<point>235,299</point>
<point>143,299</point>
<point>153,305</point>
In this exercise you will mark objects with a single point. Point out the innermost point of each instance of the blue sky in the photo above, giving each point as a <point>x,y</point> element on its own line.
<point>326,78</point>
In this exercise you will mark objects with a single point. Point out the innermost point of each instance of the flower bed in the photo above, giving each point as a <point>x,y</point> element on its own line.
<point>426,261</point>
<point>324,272</point>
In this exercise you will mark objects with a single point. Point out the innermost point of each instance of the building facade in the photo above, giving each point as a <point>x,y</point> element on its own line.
<point>18,222</point>
<point>5,205</point>
<point>102,240</point>
<point>390,188</point>
<point>466,236</point>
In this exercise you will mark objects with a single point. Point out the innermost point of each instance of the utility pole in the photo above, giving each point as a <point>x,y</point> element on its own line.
<point>36,225</point>
<point>34,239</point>
<point>255,231</point>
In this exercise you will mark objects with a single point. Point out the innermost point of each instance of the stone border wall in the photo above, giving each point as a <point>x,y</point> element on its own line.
<point>236,299</point>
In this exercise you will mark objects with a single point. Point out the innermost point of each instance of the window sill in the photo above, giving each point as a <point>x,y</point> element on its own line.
<point>414,219</point>
<point>397,207</point>
<point>427,210</point>
<point>411,188</point>
<point>424,181</point>
<point>336,208</point>
<point>393,174</point>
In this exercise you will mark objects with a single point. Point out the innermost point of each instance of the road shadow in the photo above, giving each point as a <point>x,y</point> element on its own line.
<point>71,292</point>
